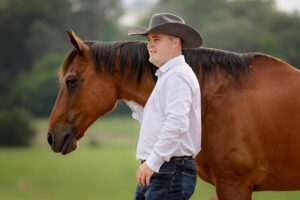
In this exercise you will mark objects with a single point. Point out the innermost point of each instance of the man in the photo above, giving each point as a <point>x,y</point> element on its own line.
<point>170,135</point>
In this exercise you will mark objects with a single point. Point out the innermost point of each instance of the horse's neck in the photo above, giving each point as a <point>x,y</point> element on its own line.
<point>129,89</point>
<point>214,85</point>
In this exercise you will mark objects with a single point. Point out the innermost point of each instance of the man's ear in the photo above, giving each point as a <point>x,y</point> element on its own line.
<point>178,42</point>
<point>76,42</point>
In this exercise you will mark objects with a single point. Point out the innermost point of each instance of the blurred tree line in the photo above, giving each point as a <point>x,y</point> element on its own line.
<point>242,25</point>
<point>33,41</point>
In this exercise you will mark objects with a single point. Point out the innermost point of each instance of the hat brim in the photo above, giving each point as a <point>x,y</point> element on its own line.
<point>190,37</point>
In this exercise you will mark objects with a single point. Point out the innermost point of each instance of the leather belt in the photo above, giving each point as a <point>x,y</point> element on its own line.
<point>176,158</point>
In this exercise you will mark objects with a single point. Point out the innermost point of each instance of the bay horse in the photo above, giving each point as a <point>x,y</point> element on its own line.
<point>250,109</point>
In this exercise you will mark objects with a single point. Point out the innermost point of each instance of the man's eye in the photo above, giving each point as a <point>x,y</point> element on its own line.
<point>71,82</point>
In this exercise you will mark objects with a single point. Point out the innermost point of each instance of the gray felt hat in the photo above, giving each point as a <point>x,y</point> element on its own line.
<point>172,25</point>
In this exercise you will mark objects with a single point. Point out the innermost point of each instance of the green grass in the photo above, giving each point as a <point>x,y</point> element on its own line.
<point>103,167</point>
<point>89,173</point>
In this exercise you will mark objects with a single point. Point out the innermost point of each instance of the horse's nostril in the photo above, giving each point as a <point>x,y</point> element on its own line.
<point>49,138</point>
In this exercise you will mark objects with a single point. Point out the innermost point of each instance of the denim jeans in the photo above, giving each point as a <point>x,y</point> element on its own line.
<point>175,180</point>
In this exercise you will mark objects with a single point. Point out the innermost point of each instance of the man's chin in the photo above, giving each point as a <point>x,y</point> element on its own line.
<point>154,62</point>
<point>151,60</point>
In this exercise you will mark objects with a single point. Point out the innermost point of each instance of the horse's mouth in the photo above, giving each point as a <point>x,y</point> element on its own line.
<point>69,144</point>
<point>64,142</point>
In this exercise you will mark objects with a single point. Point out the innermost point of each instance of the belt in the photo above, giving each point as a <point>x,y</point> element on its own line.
<point>176,158</point>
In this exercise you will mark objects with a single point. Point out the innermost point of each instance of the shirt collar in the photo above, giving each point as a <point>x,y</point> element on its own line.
<point>169,64</point>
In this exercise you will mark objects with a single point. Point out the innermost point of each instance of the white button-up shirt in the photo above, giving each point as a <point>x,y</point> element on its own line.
<point>171,119</point>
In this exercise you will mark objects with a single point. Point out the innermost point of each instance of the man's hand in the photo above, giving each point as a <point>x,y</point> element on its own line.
<point>143,174</point>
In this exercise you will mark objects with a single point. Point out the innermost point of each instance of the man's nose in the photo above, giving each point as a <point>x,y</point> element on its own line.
<point>150,44</point>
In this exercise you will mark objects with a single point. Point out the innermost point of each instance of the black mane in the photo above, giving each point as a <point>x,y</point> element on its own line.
<point>135,55</point>
<point>132,54</point>
<point>233,63</point>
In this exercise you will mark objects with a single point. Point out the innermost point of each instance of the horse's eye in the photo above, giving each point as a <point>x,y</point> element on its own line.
<point>71,82</point>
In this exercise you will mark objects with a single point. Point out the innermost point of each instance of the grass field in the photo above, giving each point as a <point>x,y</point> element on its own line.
<point>103,167</point>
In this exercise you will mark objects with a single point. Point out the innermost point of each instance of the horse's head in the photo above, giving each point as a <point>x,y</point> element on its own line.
<point>84,96</point>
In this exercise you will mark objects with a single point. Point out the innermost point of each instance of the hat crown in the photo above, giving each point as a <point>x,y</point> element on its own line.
<point>164,18</point>
<point>170,24</point>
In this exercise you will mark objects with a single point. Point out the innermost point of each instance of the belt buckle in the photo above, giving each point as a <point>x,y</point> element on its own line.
<point>178,160</point>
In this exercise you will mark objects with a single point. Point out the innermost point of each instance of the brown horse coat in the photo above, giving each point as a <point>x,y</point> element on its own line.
<point>250,110</point>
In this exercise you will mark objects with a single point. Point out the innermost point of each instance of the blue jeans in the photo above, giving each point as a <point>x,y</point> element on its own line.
<point>175,180</point>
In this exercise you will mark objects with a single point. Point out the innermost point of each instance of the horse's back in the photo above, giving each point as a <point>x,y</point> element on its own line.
<point>254,130</point>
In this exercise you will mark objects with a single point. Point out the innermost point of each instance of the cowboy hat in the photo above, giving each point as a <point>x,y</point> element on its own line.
<point>172,25</point>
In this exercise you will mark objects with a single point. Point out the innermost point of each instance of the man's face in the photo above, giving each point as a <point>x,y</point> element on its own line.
<point>161,48</point>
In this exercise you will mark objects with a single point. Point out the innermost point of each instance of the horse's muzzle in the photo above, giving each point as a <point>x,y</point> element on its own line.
<point>62,141</point>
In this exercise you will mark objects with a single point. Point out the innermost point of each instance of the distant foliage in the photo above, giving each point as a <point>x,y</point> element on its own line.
<point>37,88</point>
<point>33,43</point>
<point>241,25</point>
<point>15,127</point>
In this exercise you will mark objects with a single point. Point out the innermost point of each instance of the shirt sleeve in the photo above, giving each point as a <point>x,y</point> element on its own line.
<point>175,99</point>
<point>137,110</point>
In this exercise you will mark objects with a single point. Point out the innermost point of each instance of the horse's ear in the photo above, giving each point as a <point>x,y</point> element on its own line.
<point>76,42</point>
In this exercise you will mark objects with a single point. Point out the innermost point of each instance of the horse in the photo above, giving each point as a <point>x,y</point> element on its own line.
<point>250,109</point>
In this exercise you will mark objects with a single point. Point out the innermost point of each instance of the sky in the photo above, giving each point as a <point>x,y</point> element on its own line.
<point>137,9</point>
<point>288,5</point>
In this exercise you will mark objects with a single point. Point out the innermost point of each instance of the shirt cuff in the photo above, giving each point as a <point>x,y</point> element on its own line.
<point>135,115</point>
<point>154,162</point>
<point>133,105</point>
